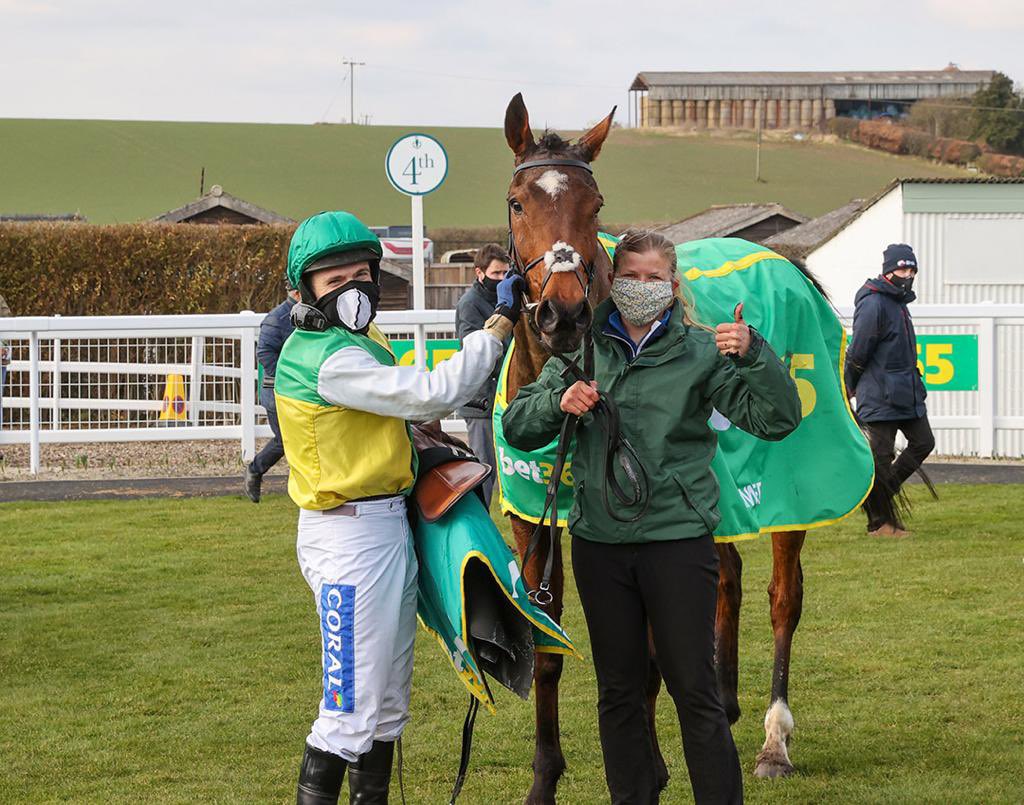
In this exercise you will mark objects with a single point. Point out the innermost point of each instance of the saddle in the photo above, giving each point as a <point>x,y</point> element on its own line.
<point>448,471</point>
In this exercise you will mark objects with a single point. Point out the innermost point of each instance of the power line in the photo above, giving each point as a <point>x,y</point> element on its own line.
<point>489,79</point>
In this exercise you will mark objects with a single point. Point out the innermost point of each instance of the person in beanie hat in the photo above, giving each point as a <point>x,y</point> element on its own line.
<point>343,406</point>
<point>881,372</point>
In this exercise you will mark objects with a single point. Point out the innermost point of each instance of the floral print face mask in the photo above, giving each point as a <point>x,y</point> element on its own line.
<point>641,302</point>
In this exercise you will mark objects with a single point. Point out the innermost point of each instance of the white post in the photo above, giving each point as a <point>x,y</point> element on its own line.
<point>55,377</point>
<point>248,396</point>
<point>195,392</point>
<point>33,396</point>
<point>418,278</point>
<point>987,386</point>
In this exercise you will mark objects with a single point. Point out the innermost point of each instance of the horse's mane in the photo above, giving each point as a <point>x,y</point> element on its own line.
<point>551,143</point>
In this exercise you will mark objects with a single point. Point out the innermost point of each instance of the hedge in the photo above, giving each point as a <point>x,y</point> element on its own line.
<point>79,269</point>
<point>82,269</point>
<point>885,136</point>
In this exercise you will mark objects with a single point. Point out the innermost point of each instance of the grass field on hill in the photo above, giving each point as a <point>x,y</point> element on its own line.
<point>167,651</point>
<point>125,171</point>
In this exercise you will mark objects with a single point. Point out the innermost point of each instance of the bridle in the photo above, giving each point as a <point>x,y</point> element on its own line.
<point>617,450</point>
<point>523,270</point>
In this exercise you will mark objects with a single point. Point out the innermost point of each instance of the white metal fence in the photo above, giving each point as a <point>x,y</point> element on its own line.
<point>103,379</point>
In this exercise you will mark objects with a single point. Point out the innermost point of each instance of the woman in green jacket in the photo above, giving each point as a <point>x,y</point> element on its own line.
<point>665,373</point>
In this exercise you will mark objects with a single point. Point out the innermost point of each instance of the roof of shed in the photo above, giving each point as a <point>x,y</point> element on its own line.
<point>803,238</point>
<point>217,197</point>
<point>723,220</point>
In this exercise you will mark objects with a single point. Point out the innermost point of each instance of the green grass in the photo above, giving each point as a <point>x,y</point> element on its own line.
<point>125,171</point>
<point>167,651</point>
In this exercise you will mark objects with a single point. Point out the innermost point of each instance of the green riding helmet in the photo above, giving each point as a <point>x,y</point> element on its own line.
<point>329,239</point>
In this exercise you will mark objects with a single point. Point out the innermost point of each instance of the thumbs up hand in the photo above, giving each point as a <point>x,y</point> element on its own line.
<point>733,338</point>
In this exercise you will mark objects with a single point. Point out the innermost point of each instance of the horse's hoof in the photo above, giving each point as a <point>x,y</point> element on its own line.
<point>772,764</point>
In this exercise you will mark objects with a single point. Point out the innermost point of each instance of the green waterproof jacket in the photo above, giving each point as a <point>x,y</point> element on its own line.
<point>665,398</point>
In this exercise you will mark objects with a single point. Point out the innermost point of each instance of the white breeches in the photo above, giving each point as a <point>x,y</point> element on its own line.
<point>362,571</point>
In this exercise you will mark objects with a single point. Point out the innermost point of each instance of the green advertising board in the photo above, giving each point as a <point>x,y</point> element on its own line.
<point>948,362</point>
<point>438,349</point>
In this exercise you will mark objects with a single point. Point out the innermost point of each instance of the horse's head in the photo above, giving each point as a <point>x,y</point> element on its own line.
<point>553,203</point>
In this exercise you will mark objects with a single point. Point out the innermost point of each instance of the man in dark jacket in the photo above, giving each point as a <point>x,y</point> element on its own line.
<point>274,331</point>
<point>882,373</point>
<point>474,308</point>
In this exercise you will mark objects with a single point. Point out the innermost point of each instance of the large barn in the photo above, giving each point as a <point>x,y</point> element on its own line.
<point>788,100</point>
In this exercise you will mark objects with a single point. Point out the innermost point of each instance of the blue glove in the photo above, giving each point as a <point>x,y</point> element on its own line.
<point>510,297</point>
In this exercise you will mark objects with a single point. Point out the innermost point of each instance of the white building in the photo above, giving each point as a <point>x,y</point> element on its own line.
<point>968,235</point>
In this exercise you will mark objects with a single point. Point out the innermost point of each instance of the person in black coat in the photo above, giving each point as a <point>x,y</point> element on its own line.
<point>881,372</point>
<point>274,331</point>
<point>473,309</point>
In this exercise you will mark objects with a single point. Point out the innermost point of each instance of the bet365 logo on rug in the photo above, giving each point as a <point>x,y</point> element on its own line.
<point>537,471</point>
<point>337,615</point>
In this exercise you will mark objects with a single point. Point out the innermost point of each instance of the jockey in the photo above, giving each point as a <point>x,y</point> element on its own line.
<point>343,407</point>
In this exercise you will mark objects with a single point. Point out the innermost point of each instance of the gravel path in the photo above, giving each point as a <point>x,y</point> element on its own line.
<point>129,460</point>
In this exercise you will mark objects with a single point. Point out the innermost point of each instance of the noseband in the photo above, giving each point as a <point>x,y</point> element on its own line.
<point>518,267</point>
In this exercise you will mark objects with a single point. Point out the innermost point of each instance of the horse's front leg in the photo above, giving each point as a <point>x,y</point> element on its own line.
<point>786,594</point>
<point>548,760</point>
<point>727,627</point>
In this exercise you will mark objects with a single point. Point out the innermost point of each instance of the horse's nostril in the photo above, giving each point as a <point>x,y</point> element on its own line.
<point>547,316</point>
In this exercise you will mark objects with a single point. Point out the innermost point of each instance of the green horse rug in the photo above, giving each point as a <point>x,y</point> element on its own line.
<point>817,475</point>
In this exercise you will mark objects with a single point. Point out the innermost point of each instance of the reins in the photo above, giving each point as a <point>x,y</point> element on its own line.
<point>617,449</point>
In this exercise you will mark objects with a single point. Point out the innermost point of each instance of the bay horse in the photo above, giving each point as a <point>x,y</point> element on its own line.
<point>553,203</point>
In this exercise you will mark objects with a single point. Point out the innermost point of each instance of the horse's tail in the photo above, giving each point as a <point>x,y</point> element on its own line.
<point>887,499</point>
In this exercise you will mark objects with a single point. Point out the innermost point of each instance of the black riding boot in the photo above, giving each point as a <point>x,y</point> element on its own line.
<point>370,776</point>
<point>320,778</point>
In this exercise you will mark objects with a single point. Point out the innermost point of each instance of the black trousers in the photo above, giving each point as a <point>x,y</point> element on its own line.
<point>273,450</point>
<point>673,586</point>
<point>882,435</point>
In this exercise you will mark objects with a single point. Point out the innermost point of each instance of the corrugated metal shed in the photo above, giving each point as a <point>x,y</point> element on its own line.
<point>967,234</point>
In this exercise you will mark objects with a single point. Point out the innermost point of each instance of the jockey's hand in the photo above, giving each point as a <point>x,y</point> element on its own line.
<point>579,398</point>
<point>733,338</point>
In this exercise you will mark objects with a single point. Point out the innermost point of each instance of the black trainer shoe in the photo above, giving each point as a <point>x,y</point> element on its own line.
<point>253,481</point>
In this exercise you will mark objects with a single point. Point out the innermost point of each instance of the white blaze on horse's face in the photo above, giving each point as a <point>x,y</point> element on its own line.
<point>552,182</point>
<point>562,257</point>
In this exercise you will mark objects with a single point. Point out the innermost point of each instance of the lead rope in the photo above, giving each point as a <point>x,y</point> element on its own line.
<point>617,450</point>
<point>467,746</point>
<point>401,782</point>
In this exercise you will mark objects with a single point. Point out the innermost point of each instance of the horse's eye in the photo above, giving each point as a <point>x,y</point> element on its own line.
<point>515,206</point>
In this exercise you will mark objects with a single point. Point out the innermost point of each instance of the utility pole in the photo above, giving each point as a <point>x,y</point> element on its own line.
<point>352,88</point>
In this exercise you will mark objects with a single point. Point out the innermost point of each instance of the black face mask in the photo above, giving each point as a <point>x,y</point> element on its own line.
<point>490,286</point>
<point>352,306</point>
<point>906,283</point>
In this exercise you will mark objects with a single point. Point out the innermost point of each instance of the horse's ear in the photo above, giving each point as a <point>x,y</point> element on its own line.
<point>517,126</point>
<point>591,142</point>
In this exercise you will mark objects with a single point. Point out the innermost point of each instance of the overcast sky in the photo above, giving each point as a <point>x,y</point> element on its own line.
<point>451,62</point>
